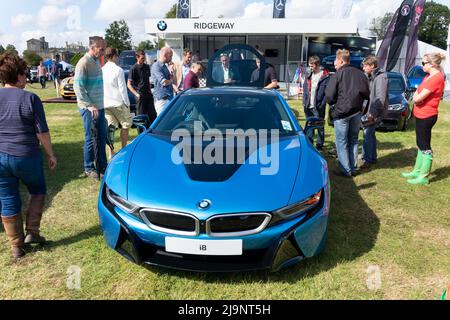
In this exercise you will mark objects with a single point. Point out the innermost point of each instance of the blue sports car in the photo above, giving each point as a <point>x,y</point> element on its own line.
<point>225,179</point>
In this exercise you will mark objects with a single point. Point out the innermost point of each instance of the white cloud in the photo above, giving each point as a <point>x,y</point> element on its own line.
<point>22,20</point>
<point>258,10</point>
<point>132,10</point>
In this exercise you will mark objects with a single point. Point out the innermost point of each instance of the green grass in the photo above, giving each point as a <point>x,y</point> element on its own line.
<point>377,219</point>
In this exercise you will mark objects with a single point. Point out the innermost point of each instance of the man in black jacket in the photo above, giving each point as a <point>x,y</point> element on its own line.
<point>345,93</point>
<point>314,102</point>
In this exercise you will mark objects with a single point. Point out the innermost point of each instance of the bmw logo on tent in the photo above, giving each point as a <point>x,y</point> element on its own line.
<point>162,25</point>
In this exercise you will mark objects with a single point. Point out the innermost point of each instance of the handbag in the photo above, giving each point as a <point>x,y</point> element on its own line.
<point>367,120</point>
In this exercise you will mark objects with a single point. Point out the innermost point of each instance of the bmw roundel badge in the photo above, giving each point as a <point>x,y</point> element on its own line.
<point>204,204</point>
<point>162,25</point>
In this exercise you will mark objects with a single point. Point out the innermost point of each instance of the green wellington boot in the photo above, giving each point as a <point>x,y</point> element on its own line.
<point>413,174</point>
<point>427,161</point>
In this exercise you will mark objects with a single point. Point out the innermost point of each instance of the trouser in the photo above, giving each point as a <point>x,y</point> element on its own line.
<point>369,149</point>
<point>346,132</point>
<point>89,150</point>
<point>42,81</point>
<point>423,133</point>
<point>160,105</point>
<point>145,105</point>
<point>320,132</point>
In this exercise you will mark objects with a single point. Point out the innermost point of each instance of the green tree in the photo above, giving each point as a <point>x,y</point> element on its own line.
<point>2,50</point>
<point>76,57</point>
<point>11,48</point>
<point>378,26</point>
<point>118,36</point>
<point>172,13</point>
<point>146,45</point>
<point>31,58</point>
<point>434,23</point>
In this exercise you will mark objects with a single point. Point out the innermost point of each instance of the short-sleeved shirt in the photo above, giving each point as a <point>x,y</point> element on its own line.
<point>269,75</point>
<point>21,118</point>
<point>429,107</point>
<point>140,78</point>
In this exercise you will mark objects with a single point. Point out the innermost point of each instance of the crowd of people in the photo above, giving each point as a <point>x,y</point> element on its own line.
<point>356,100</point>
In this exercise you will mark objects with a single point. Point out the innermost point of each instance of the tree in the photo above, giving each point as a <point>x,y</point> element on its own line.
<point>2,50</point>
<point>378,26</point>
<point>31,58</point>
<point>11,48</point>
<point>118,36</point>
<point>434,23</point>
<point>146,45</point>
<point>76,57</point>
<point>172,13</point>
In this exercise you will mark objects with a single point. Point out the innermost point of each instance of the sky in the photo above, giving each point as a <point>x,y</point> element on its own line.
<point>62,21</point>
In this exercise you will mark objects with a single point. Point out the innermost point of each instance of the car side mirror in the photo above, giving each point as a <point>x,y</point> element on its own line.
<point>313,123</point>
<point>142,122</point>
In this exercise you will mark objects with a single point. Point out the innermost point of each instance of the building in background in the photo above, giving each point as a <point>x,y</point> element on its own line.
<point>39,47</point>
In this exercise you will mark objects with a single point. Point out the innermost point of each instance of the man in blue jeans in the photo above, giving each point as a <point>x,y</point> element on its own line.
<point>378,104</point>
<point>88,86</point>
<point>345,93</point>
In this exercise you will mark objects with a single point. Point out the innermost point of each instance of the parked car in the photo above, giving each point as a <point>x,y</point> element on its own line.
<point>33,75</point>
<point>66,89</point>
<point>415,77</point>
<point>399,111</point>
<point>157,207</point>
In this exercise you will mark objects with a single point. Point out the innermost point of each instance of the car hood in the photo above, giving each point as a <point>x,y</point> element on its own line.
<point>155,181</point>
<point>396,98</point>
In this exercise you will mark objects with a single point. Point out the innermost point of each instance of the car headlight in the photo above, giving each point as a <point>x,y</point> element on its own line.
<point>395,107</point>
<point>297,209</point>
<point>120,202</point>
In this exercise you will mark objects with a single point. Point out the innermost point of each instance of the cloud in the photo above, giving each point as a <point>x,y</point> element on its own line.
<point>22,20</point>
<point>132,10</point>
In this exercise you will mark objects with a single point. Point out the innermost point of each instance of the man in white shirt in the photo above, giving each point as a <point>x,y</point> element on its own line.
<point>117,103</point>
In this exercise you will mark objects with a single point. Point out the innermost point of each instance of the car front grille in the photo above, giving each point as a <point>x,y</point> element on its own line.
<point>225,225</point>
<point>231,225</point>
<point>171,222</point>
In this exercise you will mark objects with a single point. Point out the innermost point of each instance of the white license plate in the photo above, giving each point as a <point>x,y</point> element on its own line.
<point>204,247</point>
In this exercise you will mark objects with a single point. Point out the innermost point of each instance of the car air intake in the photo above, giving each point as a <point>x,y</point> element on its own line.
<point>171,222</point>
<point>232,225</point>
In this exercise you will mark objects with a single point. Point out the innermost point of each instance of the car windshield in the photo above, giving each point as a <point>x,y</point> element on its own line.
<point>200,112</point>
<point>127,62</point>
<point>396,84</point>
<point>417,73</point>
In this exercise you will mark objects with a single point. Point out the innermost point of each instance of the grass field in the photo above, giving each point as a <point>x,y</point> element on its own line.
<point>377,222</point>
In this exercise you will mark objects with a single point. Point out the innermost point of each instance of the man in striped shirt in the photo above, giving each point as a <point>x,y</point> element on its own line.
<point>88,86</point>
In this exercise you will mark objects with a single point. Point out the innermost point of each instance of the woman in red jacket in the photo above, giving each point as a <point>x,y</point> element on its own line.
<point>426,103</point>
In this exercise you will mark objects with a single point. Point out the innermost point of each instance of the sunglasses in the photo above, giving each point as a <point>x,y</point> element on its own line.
<point>424,63</point>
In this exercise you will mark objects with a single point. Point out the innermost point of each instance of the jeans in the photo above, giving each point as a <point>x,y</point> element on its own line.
<point>346,132</point>
<point>369,149</point>
<point>29,170</point>
<point>320,132</point>
<point>94,149</point>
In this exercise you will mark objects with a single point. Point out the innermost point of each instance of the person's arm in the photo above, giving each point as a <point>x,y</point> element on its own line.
<point>419,98</point>
<point>331,92</point>
<point>42,132</point>
<point>79,86</point>
<point>380,87</point>
<point>45,140</point>
<point>273,80</point>
<point>123,87</point>
<point>159,76</point>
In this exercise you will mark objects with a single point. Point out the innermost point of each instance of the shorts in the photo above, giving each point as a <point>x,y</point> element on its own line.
<point>119,116</point>
<point>13,169</point>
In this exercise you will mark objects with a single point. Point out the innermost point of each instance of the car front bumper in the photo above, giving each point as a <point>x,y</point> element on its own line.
<point>274,248</point>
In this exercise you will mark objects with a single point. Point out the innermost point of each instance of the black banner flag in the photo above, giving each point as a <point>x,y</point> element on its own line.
<point>183,9</point>
<point>412,48</point>
<point>279,9</point>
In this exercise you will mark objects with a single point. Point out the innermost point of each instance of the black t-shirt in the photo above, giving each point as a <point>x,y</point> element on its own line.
<point>269,75</point>
<point>140,78</point>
